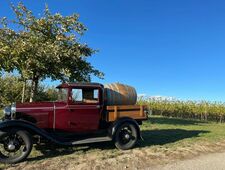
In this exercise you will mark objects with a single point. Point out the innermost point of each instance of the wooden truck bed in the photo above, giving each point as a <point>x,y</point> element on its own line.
<point>133,111</point>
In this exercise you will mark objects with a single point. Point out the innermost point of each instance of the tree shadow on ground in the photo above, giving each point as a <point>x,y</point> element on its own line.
<point>174,121</point>
<point>151,137</point>
<point>166,136</point>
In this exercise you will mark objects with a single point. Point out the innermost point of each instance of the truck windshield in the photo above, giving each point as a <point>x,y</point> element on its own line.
<point>62,94</point>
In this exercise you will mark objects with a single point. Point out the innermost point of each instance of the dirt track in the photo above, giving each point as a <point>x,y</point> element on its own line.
<point>214,161</point>
<point>156,158</point>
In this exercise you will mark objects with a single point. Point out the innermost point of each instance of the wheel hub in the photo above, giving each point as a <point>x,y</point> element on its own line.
<point>127,136</point>
<point>11,147</point>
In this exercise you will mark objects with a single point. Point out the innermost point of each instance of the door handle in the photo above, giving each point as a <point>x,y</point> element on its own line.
<point>72,123</point>
<point>71,110</point>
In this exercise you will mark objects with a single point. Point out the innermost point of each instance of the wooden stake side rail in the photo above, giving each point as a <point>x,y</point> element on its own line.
<point>133,111</point>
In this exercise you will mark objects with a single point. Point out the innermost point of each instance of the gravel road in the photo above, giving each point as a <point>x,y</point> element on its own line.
<point>214,161</point>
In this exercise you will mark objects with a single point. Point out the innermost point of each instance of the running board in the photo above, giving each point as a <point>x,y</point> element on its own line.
<point>92,140</point>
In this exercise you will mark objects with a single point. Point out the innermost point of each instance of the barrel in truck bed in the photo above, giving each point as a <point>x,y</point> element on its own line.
<point>133,111</point>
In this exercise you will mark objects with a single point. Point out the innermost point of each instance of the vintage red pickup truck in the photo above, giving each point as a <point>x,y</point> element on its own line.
<point>83,113</point>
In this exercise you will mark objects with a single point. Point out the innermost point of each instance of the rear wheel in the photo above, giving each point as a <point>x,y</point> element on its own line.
<point>126,136</point>
<point>15,146</point>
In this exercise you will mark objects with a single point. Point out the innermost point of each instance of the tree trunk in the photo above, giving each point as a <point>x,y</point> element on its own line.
<point>34,87</point>
<point>23,92</point>
<point>201,116</point>
<point>32,91</point>
<point>206,116</point>
<point>221,118</point>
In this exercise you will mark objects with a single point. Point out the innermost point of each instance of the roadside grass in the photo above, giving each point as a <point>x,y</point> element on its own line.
<point>161,135</point>
<point>163,130</point>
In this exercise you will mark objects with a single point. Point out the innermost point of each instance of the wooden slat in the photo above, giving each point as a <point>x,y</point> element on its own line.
<point>123,107</point>
<point>132,111</point>
<point>115,112</point>
<point>141,111</point>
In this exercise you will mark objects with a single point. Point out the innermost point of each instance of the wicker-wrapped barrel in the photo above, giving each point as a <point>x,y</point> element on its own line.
<point>120,94</point>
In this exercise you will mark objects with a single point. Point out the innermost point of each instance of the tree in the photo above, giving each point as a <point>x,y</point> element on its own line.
<point>45,93</point>
<point>11,89</point>
<point>48,46</point>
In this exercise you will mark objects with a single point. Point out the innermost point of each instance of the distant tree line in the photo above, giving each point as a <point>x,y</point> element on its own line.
<point>11,89</point>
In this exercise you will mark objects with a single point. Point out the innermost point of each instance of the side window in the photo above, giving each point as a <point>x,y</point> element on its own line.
<point>96,94</point>
<point>85,95</point>
<point>77,95</point>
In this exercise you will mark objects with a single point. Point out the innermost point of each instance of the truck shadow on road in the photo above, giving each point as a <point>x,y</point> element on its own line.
<point>151,137</point>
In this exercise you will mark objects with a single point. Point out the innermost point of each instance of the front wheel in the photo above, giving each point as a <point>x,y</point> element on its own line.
<point>126,136</point>
<point>15,146</point>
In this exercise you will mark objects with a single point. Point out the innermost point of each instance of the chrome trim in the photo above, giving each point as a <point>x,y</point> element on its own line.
<point>54,108</point>
<point>13,111</point>
<point>34,108</point>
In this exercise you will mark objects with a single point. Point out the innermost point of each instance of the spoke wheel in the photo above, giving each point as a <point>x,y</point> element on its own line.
<point>126,136</point>
<point>15,146</point>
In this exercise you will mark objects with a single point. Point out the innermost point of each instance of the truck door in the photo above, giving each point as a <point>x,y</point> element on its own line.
<point>84,109</point>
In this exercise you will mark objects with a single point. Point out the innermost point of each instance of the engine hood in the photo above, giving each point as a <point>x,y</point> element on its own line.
<point>38,105</point>
<point>40,113</point>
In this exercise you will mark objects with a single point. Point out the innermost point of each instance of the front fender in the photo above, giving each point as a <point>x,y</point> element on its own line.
<point>28,126</point>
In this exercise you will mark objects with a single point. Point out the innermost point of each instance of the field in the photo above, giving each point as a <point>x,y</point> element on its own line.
<point>165,140</point>
<point>203,110</point>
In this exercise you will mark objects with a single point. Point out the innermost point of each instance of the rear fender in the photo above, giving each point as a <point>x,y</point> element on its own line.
<point>113,128</point>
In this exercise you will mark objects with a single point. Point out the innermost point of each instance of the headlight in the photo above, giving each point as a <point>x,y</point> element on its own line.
<point>10,110</point>
<point>7,111</point>
<point>13,108</point>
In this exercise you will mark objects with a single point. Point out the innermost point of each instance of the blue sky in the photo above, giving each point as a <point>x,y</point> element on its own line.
<point>161,47</point>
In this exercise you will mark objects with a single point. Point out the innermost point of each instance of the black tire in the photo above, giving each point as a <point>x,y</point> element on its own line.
<point>121,140</point>
<point>22,140</point>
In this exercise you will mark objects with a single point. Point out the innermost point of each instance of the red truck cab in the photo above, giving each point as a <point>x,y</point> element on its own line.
<point>78,109</point>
